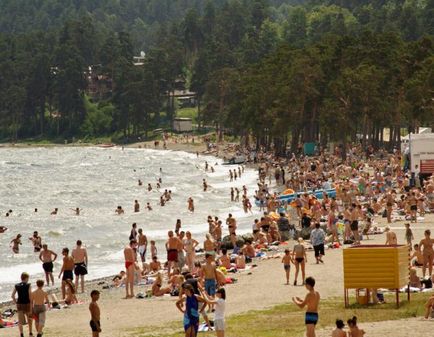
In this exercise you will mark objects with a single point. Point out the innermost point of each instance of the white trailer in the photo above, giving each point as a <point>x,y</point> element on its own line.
<point>421,153</point>
<point>182,124</point>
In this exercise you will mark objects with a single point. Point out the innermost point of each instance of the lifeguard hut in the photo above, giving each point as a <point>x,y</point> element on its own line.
<point>376,266</point>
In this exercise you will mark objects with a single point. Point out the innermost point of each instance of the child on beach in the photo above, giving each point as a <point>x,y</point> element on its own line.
<point>39,298</point>
<point>311,302</point>
<point>429,306</point>
<point>219,314</point>
<point>354,329</point>
<point>408,235</point>
<point>153,250</point>
<point>95,314</point>
<point>339,331</point>
<point>287,260</point>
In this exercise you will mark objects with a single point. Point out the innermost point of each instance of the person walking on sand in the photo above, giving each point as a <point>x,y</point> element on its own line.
<point>39,299</point>
<point>287,260</point>
<point>66,271</point>
<point>311,302</point>
<point>47,258</point>
<point>79,254</point>
<point>95,314</point>
<point>23,303</point>
<point>300,258</point>
<point>317,238</point>
<point>130,260</point>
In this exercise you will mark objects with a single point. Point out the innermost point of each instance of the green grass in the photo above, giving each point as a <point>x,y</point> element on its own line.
<point>188,113</point>
<point>288,321</point>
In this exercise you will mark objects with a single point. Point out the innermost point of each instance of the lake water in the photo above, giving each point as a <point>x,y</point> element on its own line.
<point>97,180</point>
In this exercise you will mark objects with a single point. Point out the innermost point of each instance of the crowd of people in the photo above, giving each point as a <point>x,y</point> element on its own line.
<point>196,271</point>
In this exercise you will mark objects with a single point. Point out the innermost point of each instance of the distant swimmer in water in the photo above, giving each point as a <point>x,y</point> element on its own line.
<point>161,170</point>
<point>36,241</point>
<point>36,210</point>
<point>206,166</point>
<point>119,210</point>
<point>136,206</point>
<point>212,169</point>
<point>140,182</point>
<point>3,229</point>
<point>158,185</point>
<point>55,211</point>
<point>148,206</point>
<point>149,188</point>
<point>47,258</point>
<point>76,210</point>
<point>191,204</point>
<point>15,244</point>
<point>160,180</point>
<point>162,201</point>
<point>205,185</point>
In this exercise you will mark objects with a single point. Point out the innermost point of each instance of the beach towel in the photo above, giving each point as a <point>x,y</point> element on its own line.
<point>8,324</point>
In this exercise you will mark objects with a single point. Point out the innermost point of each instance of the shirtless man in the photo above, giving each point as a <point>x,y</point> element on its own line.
<point>172,245</point>
<point>130,260</point>
<point>143,244</point>
<point>119,210</point>
<point>77,210</point>
<point>136,206</point>
<point>417,256</point>
<point>39,298</point>
<point>66,271</point>
<point>190,205</point>
<point>224,260</point>
<point>311,302</point>
<point>210,276</point>
<point>390,237</point>
<point>389,205</point>
<point>79,254</point>
<point>426,245</point>
<point>354,226</point>
<point>47,258</point>
<point>36,241</point>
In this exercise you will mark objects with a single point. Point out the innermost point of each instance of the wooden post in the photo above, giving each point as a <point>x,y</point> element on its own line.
<point>397,298</point>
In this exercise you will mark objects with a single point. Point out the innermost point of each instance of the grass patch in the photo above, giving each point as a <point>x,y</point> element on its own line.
<point>188,113</point>
<point>288,321</point>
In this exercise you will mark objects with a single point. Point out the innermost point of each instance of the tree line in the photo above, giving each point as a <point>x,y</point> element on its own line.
<point>277,71</point>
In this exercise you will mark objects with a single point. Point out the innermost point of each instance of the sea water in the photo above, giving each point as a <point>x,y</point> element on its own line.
<point>97,180</point>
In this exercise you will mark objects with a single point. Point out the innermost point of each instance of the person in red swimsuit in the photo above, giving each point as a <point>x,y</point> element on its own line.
<point>130,260</point>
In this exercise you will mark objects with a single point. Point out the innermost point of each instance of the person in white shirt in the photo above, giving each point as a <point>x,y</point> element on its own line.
<point>219,315</point>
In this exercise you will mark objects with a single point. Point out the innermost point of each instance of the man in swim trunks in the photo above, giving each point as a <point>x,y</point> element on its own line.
<point>172,245</point>
<point>95,314</point>
<point>36,241</point>
<point>143,244</point>
<point>39,298</point>
<point>130,260</point>
<point>210,276</point>
<point>311,302</point>
<point>354,217</point>
<point>47,258</point>
<point>79,254</point>
<point>67,268</point>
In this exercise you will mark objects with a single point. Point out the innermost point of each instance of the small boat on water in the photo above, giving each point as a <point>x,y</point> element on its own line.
<point>236,160</point>
<point>106,145</point>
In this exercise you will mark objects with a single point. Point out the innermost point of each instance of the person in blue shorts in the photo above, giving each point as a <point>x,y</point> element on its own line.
<point>311,302</point>
<point>191,311</point>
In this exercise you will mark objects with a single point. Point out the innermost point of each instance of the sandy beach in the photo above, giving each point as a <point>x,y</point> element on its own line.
<point>259,288</point>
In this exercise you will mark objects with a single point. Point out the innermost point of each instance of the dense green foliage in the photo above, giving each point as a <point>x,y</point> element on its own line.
<point>262,68</point>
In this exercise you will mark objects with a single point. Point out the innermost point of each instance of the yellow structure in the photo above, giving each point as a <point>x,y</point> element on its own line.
<point>376,266</point>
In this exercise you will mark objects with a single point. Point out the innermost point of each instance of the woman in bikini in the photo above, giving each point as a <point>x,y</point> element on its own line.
<point>157,289</point>
<point>300,259</point>
<point>190,245</point>
<point>15,244</point>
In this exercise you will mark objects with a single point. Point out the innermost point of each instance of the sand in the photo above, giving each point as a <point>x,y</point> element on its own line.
<point>258,288</point>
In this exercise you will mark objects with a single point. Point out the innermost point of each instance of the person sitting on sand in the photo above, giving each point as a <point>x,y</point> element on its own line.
<point>311,302</point>
<point>119,210</point>
<point>391,239</point>
<point>70,297</point>
<point>224,260</point>
<point>417,256</point>
<point>155,265</point>
<point>429,307</point>
<point>119,279</point>
<point>15,244</point>
<point>414,279</point>
<point>354,329</point>
<point>240,261</point>
<point>157,289</point>
<point>339,331</point>
<point>249,251</point>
